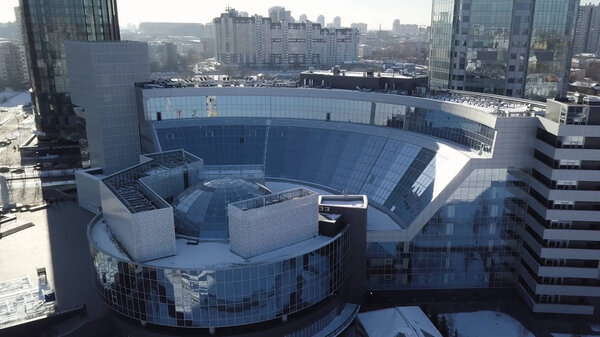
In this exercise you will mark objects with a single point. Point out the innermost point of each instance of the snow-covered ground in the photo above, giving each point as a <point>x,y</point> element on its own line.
<point>487,324</point>
<point>399,321</point>
<point>14,98</point>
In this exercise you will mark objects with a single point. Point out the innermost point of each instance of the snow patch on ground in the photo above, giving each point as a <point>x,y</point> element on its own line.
<point>399,321</point>
<point>488,324</point>
<point>14,98</point>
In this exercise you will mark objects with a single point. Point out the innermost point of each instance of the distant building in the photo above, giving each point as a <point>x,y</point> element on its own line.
<point>170,29</point>
<point>46,25</point>
<point>321,20</point>
<point>302,18</point>
<point>588,87</point>
<point>523,59</point>
<point>21,45</point>
<point>337,22</point>
<point>163,56</point>
<point>261,42</point>
<point>406,29</point>
<point>396,26</point>
<point>362,27</point>
<point>12,73</point>
<point>587,34</point>
<point>352,80</point>
<point>276,14</point>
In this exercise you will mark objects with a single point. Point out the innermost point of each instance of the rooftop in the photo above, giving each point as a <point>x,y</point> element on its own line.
<point>271,199</point>
<point>133,193</point>
<point>495,104</point>
<point>194,254</point>
<point>347,73</point>
<point>399,321</point>
<point>354,201</point>
<point>202,81</point>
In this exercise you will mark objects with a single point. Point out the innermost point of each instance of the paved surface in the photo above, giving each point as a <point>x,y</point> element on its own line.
<point>17,128</point>
<point>57,240</point>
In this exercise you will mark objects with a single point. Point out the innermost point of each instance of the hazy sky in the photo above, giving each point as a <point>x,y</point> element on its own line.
<point>372,12</point>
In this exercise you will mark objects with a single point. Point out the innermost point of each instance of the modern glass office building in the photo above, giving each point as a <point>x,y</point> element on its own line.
<point>516,48</point>
<point>46,25</point>
<point>460,196</point>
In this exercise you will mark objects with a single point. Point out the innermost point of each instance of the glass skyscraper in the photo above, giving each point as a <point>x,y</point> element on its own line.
<point>46,25</point>
<point>508,47</point>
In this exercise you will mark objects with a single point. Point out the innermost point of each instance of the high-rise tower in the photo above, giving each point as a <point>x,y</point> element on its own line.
<point>587,34</point>
<point>516,48</point>
<point>46,25</point>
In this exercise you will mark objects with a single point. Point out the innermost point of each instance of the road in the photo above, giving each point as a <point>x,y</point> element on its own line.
<point>18,129</point>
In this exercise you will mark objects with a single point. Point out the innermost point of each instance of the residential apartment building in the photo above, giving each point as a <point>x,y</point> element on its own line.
<point>12,73</point>
<point>587,33</point>
<point>261,42</point>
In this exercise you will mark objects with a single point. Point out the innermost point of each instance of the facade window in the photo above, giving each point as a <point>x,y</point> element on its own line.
<point>566,184</point>
<point>563,204</point>
<point>569,164</point>
<point>573,141</point>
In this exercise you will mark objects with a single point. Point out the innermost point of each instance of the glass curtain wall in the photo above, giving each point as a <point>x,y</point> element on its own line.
<point>487,44</point>
<point>552,36</point>
<point>471,242</point>
<point>442,19</point>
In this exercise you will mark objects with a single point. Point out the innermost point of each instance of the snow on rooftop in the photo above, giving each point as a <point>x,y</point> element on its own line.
<point>346,73</point>
<point>399,321</point>
<point>471,324</point>
<point>376,219</point>
<point>205,255</point>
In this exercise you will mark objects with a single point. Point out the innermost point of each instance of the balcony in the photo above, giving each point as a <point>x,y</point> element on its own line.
<point>571,234</point>
<point>573,309</point>
<point>591,174</point>
<point>570,253</point>
<point>567,290</point>
<point>589,273</point>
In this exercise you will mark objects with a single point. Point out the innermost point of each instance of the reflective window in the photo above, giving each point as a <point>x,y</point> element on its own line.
<point>431,122</point>
<point>224,297</point>
<point>469,243</point>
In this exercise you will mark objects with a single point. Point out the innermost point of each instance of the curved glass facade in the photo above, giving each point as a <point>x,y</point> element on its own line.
<point>201,210</point>
<point>436,123</point>
<point>470,242</point>
<point>396,175</point>
<point>239,295</point>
